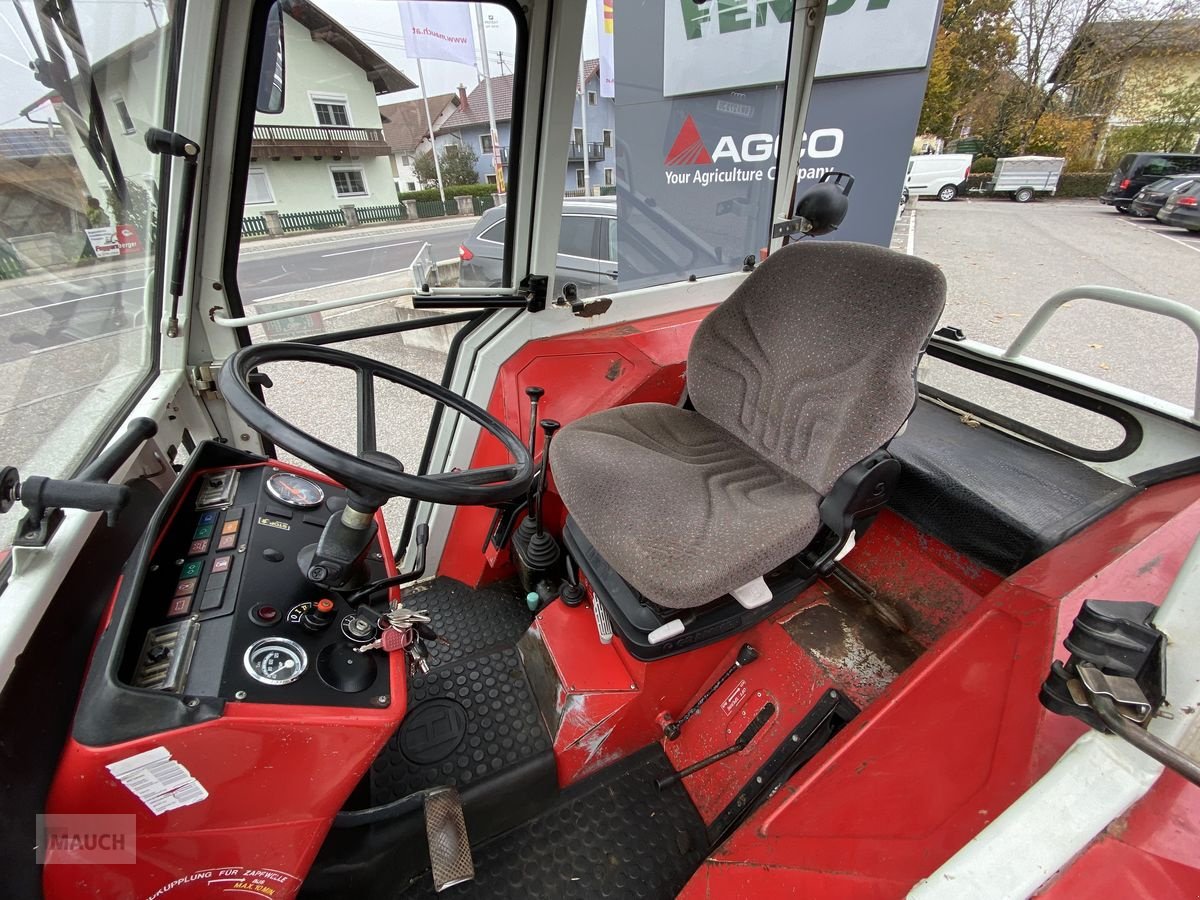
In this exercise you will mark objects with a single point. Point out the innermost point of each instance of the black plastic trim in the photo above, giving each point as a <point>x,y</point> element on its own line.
<point>1129,422</point>
<point>109,711</point>
<point>832,712</point>
<point>1159,474</point>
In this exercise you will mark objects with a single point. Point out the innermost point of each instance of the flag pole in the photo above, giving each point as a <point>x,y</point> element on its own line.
<point>587,181</point>
<point>437,166</point>
<point>497,165</point>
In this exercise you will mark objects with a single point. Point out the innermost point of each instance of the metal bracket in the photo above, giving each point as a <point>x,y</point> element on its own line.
<point>787,227</point>
<point>203,380</point>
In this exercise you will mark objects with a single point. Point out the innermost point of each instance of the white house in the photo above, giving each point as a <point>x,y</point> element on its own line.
<point>325,150</point>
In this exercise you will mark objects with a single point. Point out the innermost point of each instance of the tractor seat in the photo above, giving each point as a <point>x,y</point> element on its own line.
<point>797,379</point>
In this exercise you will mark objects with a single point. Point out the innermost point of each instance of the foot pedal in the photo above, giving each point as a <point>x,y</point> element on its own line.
<point>449,846</point>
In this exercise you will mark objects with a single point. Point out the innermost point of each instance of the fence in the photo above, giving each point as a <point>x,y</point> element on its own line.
<point>254,226</point>
<point>482,204</point>
<point>10,264</point>
<point>371,215</point>
<point>429,209</point>
<point>307,221</point>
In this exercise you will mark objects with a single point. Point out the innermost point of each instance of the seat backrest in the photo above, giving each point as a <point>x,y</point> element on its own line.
<point>812,360</point>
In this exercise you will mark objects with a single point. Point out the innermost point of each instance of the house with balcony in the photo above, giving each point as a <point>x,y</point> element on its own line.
<point>469,126</point>
<point>1138,82</point>
<point>326,149</point>
<point>406,129</point>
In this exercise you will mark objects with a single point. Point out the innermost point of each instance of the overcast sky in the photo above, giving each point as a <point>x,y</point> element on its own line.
<point>110,24</point>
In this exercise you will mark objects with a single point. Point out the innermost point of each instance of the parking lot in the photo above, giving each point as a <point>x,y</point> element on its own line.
<point>1002,259</point>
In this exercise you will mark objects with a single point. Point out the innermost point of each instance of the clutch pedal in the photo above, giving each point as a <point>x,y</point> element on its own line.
<point>449,847</point>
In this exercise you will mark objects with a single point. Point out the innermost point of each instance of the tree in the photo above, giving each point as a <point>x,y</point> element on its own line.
<point>458,166</point>
<point>1170,125</point>
<point>974,46</point>
<point>1077,43</point>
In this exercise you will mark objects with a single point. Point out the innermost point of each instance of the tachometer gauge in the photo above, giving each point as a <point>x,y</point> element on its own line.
<point>295,490</point>
<point>275,661</point>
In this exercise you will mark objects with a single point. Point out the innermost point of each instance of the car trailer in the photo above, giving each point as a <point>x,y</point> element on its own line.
<point>1022,177</point>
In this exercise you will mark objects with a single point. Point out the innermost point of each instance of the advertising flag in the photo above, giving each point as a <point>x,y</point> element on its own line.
<point>438,31</point>
<point>604,35</point>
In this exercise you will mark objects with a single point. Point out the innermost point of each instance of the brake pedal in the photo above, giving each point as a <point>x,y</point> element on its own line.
<point>449,847</point>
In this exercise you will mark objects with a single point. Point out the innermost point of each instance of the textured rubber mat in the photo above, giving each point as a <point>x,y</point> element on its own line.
<point>471,620</point>
<point>466,721</point>
<point>613,835</point>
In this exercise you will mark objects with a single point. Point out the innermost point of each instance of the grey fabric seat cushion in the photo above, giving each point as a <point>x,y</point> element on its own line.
<point>807,368</point>
<point>676,504</point>
<point>812,360</point>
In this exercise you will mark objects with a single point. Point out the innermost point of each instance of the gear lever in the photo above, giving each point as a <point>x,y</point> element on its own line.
<point>538,554</point>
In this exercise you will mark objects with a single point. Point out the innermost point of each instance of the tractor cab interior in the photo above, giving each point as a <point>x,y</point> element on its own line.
<point>746,577</point>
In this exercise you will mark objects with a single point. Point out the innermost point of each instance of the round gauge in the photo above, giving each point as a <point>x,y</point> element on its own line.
<point>275,661</point>
<point>295,490</point>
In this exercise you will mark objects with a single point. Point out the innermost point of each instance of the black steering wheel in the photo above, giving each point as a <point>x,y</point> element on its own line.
<point>473,487</point>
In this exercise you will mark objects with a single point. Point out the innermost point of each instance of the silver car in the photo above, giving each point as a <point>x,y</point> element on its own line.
<point>587,248</point>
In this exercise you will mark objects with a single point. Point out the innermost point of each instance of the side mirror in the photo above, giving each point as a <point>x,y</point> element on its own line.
<point>824,205</point>
<point>270,76</point>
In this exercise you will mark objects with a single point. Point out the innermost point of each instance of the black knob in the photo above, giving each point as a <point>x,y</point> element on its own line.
<point>534,392</point>
<point>746,655</point>
<point>549,426</point>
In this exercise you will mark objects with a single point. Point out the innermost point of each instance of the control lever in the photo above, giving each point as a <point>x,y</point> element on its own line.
<point>737,746</point>
<point>46,498</point>
<point>746,655</point>
<point>534,394</point>
<point>538,553</point>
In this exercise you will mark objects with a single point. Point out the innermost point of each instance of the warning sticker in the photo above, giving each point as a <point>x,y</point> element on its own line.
<point>158,781</point>
<point>736,696</point>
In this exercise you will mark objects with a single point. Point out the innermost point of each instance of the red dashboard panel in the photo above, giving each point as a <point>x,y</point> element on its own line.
<point>270,776</point>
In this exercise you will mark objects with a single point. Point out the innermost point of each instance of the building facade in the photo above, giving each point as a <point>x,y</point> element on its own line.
<point>324,150</point>
<point>469,126</point>
<point>406,129</point>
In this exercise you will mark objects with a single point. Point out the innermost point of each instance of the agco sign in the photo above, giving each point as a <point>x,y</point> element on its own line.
<point>689,149</point>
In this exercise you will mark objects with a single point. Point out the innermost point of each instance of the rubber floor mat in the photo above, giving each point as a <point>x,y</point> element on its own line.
<point>470,619</point>
<point>613,835</point>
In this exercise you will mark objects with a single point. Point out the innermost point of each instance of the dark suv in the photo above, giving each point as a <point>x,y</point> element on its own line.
<point>1136,170</point>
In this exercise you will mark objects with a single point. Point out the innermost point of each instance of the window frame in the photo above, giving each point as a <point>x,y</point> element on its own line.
<point>315,97</point>
<point>250,173</point>
<point>341,167</point>
<point>609,176</point>
<point>606,138</point>
<point>577,136</point>
<point>592,99</point>
<point>485,149</point>
<point>491,179</point>
<point>580,181</point>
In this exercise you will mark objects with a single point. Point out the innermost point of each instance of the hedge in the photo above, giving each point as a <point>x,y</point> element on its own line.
<point>1070,184</point>
<point>457,190</point>
<point>983,165</point>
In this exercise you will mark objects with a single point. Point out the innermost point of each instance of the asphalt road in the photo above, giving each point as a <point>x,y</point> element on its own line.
<point>37,317</point>
<point>1003,259</point>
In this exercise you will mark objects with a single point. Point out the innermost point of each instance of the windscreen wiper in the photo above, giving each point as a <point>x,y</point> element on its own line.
<point>59,24</point>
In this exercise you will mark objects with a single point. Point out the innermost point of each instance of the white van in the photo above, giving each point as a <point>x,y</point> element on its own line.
<point>938,175</point>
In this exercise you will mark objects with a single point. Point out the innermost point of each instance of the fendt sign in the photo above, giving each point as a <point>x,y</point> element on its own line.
<point>728,44</point>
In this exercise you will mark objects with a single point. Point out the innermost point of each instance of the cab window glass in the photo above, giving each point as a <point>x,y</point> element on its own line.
<point>79,226</point>
<point>346,190</point>
<point>343,197</point>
